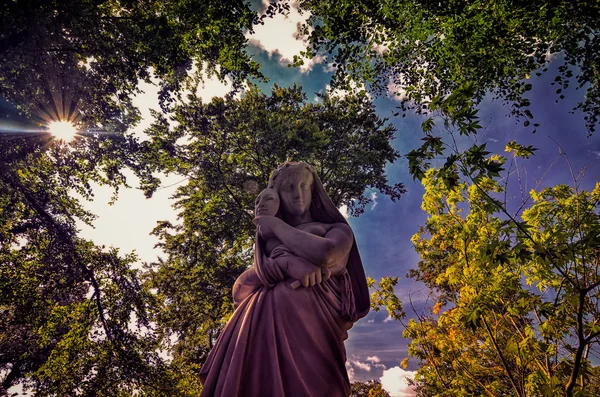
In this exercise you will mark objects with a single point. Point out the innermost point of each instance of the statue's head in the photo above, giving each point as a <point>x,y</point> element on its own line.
<point>294,183</point>
<point>267,203</point>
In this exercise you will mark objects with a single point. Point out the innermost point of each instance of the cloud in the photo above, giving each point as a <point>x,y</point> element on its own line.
<point>210,87</point>
<point>397,82</point>
<point>351,374</point>
<point>595,153</point>
<point>339,93</point>
<point>213,87</point>
<point>395,382</point>
<point>281,35</point>
<point>374,198</point>
<point>381,48</point>
<point>395,90</point>
<point>329,68</point>
<point>147,99</point>
<point>550,55</point>
<point>363,369</point>
<point>344,211</point>
<point>126,223</point>
<point>361,365</point>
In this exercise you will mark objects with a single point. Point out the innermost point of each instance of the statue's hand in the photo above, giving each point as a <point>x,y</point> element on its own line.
<point>265,226</point>
<point>307,275</point>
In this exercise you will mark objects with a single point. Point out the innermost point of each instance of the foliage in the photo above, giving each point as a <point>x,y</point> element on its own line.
<point>384,295</point>
<point>73,316</point>
<point>422,50</point>
<point>370,388</point>
<point>227,149</point>
<point>518,295</point>
<point>85,58</point>
<point>457,116</point>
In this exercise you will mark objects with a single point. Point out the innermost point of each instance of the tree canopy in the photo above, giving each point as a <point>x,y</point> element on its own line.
<point>84,59</point>
<point>371,388</point>
<point>74,315</point>
<point>420,50</point>
<point>80,317</point>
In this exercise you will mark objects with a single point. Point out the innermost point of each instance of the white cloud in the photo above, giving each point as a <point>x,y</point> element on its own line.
<point>388,319</point>
<point>329,68</point>
<point>213,87</point>
<point>280,35</point>
<point>397,82</point>
<point>351,373</point>
<point>395,89</point>
<point>373,359</point>
<point>381,48</point>
<point>374,198</point>
<point>147,99</point>
<point>395,382</point>
<point>339,93</point>
<point>344,211</point>
<point>210,87</point>
<point>360,365</point>
<point>128,222</point>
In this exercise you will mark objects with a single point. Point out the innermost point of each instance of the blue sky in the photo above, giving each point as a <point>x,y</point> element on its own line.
<point>375,346</point>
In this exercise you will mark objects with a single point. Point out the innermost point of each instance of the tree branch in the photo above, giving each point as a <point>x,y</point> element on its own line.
<point>502,358</point>
<point>54,227</point>
<point>580,349</point>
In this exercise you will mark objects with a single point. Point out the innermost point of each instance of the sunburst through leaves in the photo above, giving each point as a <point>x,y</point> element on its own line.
<point>63,130</point>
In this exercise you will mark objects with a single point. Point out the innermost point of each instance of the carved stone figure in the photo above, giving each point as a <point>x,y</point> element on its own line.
<point>296,303</point>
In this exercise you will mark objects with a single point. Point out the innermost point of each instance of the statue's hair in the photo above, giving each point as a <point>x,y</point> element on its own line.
<point>277,175</point>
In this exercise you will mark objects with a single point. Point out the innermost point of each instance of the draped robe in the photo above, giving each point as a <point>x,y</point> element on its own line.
<point>280,341</point>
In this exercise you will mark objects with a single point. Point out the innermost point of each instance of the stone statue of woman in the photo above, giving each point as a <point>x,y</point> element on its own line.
<point>295,305</point>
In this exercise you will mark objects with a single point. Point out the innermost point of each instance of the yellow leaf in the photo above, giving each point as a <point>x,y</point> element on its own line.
<point>404,363</point>
<point>436,308</point>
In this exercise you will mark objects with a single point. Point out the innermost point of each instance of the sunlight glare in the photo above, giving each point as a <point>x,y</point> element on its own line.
<point>63,130</point>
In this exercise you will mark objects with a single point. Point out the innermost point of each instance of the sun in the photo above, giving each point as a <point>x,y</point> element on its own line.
<point>63,130</point>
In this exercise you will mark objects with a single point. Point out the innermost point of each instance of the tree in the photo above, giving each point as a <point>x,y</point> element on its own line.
<point>227,149</point>
<point>370,388</point>
<point>517,294</point>
<point>72,314</point>
<point>423,50</point>
<point>83,59</point>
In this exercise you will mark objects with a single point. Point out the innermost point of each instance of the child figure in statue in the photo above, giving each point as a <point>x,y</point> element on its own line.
<point>267,204</point>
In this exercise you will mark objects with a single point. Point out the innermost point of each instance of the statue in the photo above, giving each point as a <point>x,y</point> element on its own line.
<point>296,303</point>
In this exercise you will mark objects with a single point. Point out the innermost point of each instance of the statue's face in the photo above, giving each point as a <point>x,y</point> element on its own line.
<point>267,203</point>
<point>295,190</point>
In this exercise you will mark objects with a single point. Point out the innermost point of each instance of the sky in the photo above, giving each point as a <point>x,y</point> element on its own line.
<point>375,346</point>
